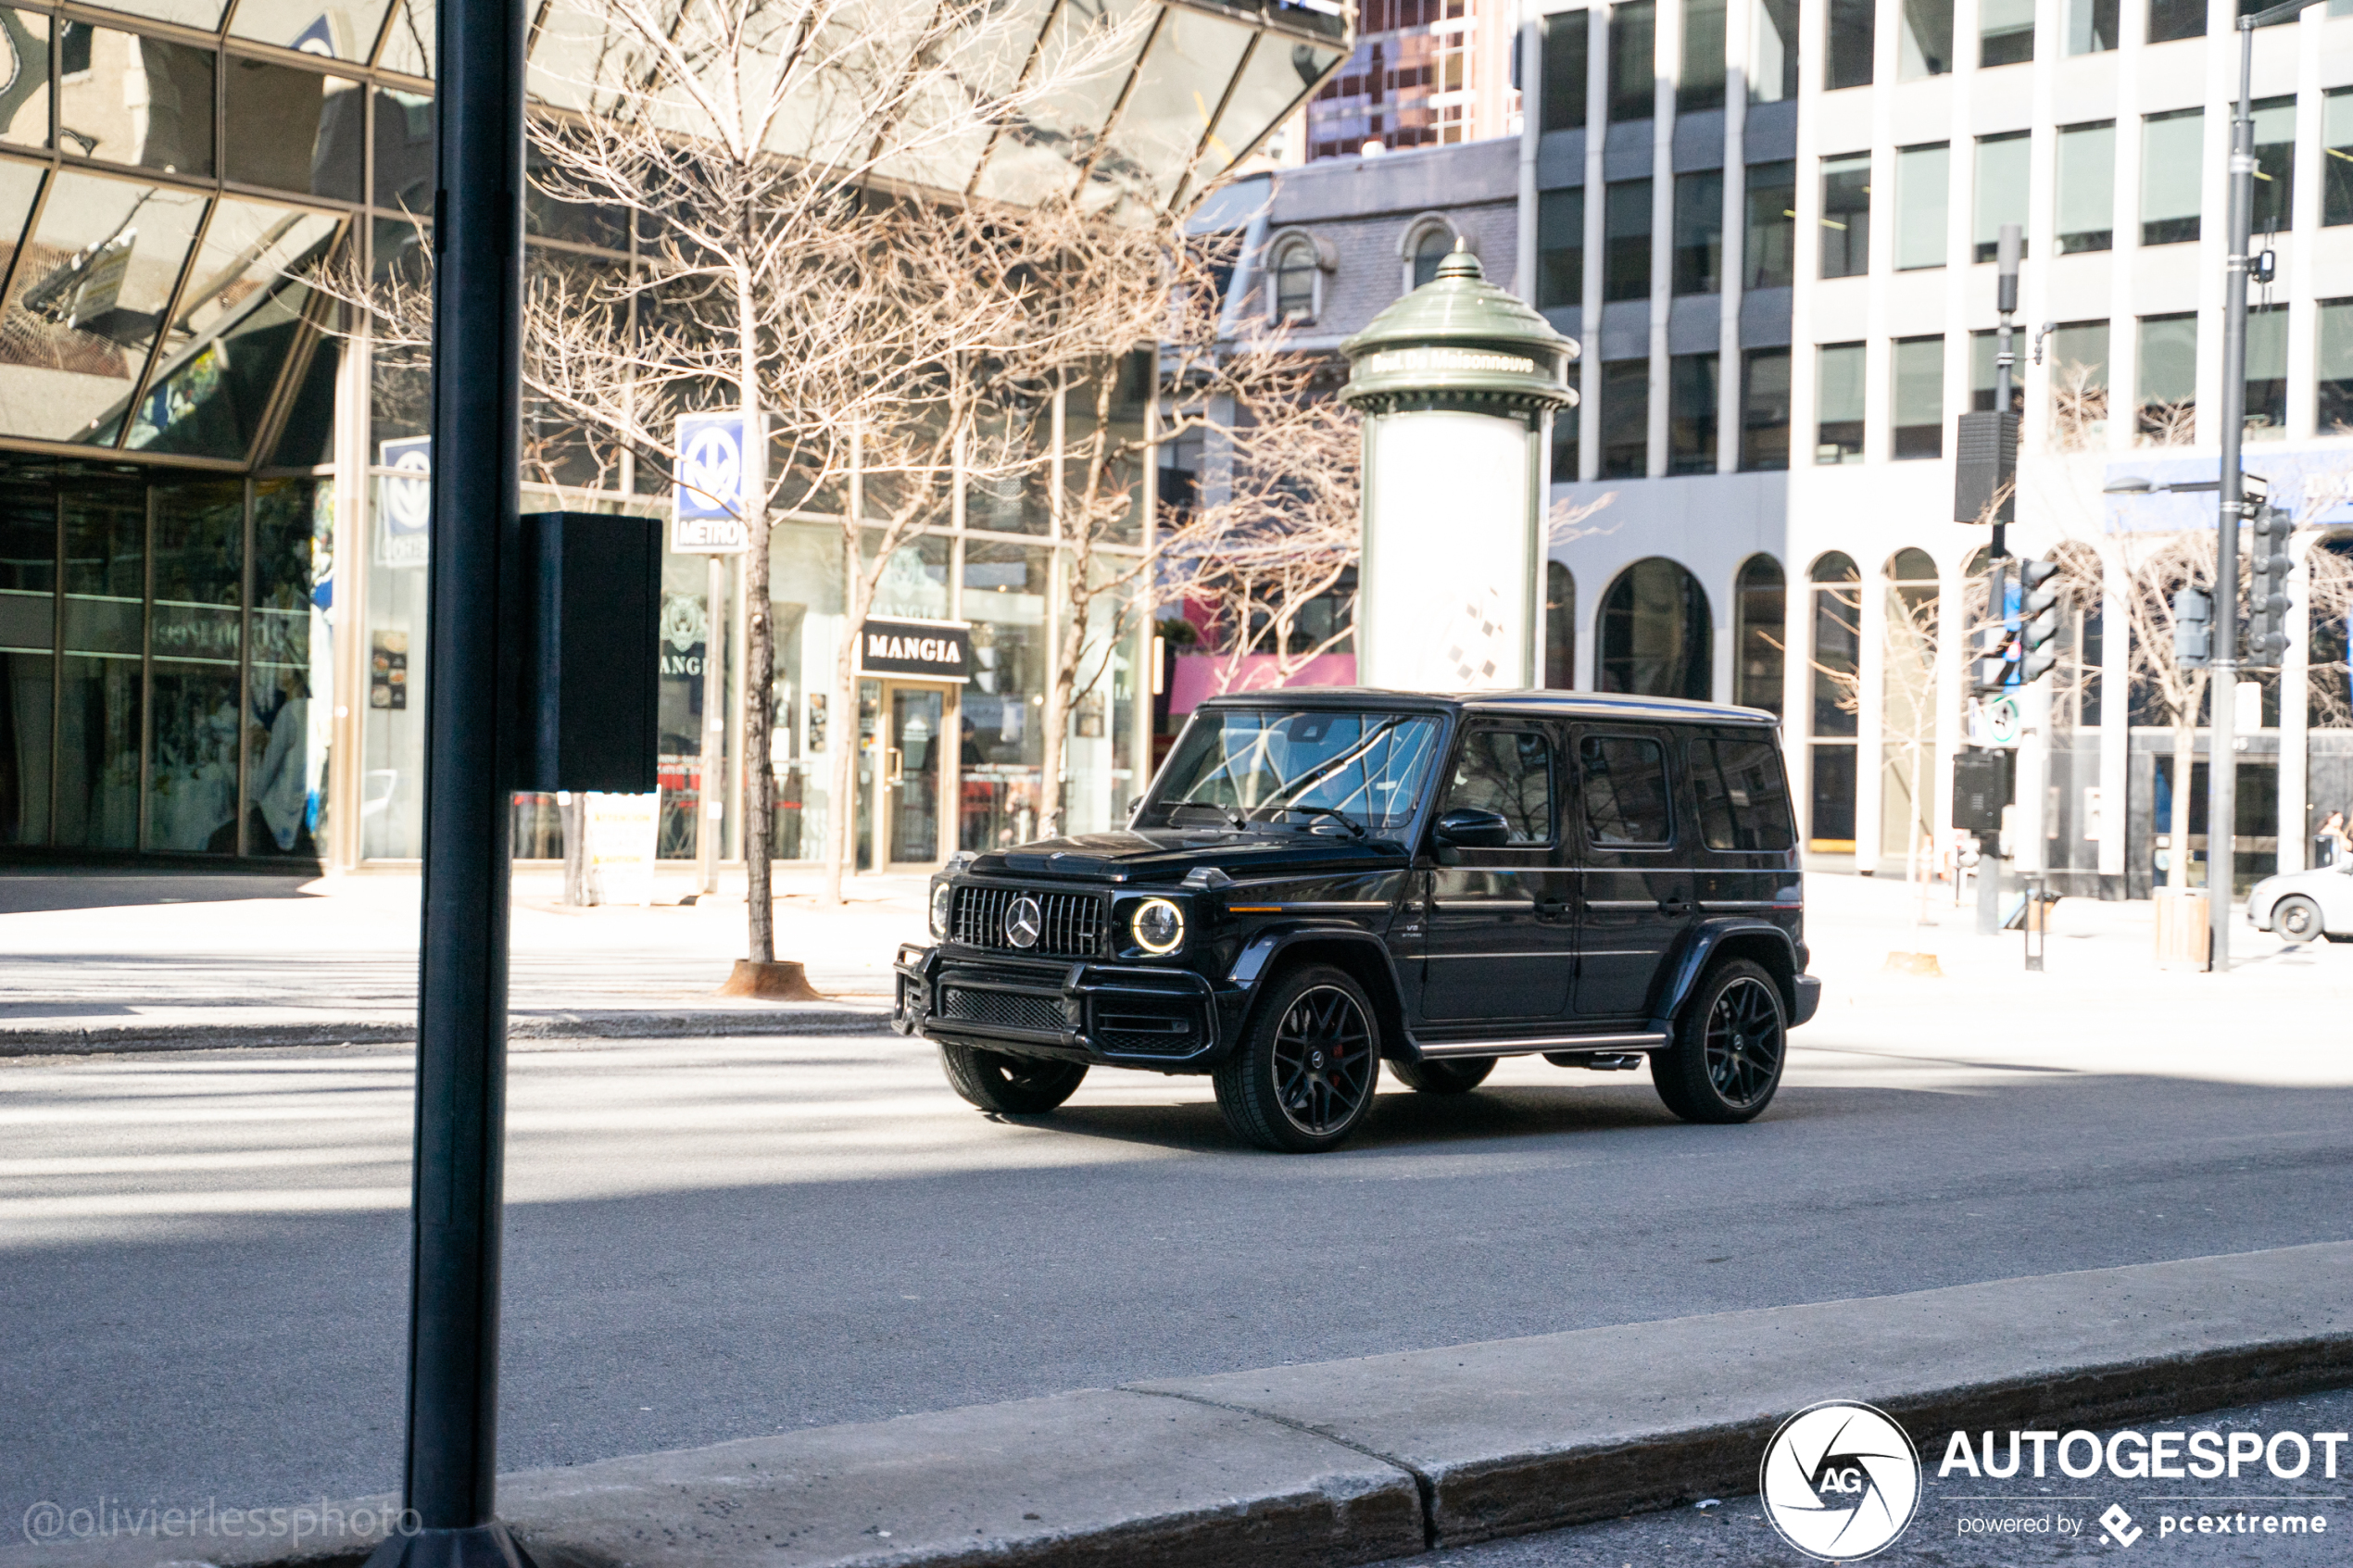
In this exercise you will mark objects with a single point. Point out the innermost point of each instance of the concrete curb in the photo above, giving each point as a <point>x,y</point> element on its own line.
<point>616,1024</point>
<point>1384,1456</point>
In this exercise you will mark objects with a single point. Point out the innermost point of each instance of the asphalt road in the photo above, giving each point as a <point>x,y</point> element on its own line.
<point>202,1258</point>
<point>1965,1523</point>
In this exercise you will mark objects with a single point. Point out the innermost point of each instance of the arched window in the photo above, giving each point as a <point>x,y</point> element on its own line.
<point>1560,627</point>
<point>1298,279</point>
<point>1907,706</point>
<point>1654,632</point>
<point>1760,616</point>
<point>1430,250</point>
<point>1837,654</point>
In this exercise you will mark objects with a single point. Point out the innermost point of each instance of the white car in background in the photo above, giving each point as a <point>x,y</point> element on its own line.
<point>2305,906</point>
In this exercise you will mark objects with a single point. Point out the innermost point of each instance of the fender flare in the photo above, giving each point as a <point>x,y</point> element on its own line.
<point>1700,950</point>
<point>1263,953</point>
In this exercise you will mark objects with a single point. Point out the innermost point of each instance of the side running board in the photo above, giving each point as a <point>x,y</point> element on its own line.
<point>1522,1046</point>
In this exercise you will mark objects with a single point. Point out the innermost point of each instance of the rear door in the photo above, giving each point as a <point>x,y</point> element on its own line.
<point>1500,931</point>
<point>1636,890</point>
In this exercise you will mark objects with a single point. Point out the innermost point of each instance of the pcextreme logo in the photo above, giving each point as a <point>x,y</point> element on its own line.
<point>1841,1481</point>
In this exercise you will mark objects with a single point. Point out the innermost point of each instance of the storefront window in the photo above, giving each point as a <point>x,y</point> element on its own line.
<point>291,652</point>
<point>695,641</point>
<point>28,644</point>
<point>393,734</point>
<point>1006,596</point>
<point>193,640</point>
<point>99,685</point>
<point>805,599</point>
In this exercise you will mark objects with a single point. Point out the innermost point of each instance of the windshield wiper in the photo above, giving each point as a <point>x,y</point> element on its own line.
<point>1230,815</point>
<point>1355,828</point>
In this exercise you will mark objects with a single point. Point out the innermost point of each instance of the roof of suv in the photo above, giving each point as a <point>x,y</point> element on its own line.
<point>1553,704</point>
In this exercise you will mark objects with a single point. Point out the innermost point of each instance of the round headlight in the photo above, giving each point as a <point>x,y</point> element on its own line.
<point>1158,925</point>
<point>941,895</point>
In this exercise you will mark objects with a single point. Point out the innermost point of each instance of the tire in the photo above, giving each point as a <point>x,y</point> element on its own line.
<point>1008,1084</point>
<point>1725,1062</point>
<point>1302,1079</point>
<point>1457,1077</point>
<point>2298,919</point>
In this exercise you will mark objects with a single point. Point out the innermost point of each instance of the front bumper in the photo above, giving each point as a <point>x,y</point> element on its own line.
<point>1114,1014</point>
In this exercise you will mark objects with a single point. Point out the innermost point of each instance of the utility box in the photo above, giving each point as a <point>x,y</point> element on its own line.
<point>1982,783</point>
<point>583,597</point>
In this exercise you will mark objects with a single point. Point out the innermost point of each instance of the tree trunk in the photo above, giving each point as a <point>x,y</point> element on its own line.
<point>573,809</point>
<point>843,734</point>
<point>759,650</point>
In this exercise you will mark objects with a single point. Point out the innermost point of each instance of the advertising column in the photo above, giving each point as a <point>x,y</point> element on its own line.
<point>1458,383</point>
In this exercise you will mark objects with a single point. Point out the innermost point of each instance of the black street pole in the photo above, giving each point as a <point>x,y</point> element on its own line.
<point>2008,243</point>
<point>452,1456</point>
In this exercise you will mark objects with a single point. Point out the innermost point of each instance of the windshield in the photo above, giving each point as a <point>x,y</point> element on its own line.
<point>1301,767</point>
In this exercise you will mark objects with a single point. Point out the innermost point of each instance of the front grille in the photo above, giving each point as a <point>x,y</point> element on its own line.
<point>1070,925</point>
<point>1007,1009</point>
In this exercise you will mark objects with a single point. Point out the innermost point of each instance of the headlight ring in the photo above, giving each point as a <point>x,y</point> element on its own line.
<point>942,896</point>
<point>1158,925</point>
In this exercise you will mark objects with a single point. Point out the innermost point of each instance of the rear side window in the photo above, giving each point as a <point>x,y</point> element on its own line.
<point>1510,771</point>
<point>1744,799</point>
<point>1624,784</point>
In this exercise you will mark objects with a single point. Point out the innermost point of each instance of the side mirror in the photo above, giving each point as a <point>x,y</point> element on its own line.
<point>1470,828</point>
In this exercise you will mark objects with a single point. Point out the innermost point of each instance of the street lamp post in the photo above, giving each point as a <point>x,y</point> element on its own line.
<point>2221,770</point>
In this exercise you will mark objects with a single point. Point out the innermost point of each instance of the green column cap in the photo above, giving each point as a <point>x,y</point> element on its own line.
<point>1459,343</point>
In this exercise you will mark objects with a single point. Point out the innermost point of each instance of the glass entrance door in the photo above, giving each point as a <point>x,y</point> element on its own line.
<point>905,771</point>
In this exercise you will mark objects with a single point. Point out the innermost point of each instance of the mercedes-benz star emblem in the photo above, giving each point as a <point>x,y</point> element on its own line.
<point>1024,920</point>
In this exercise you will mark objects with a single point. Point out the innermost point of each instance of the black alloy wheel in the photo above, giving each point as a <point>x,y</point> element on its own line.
<point>1725,1062</point>
<point>1302,1078</point>
<point>2297,918</point>
<point>1006,1084</point>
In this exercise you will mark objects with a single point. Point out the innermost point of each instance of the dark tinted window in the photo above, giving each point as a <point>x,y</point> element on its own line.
<point>1743,800</point>
<point>1625,789</point>
<point>1510,771</point>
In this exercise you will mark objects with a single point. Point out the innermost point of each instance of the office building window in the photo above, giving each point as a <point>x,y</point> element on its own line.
<point>2170,19</point>
<point>2168,398</point>
<point>1760,614</point>
<point>1923,180</point>
<point>2079,386</point>
<point>1699,231</point>
<point>1634,75</point>
<point>2274,163</point>
<point>1764,410</point>
<point>2091,26</point>
<point>1838,403</point>
<point>1838,659</point>
<point>1701,83</point>
<point>2337,156</point>
<point>1769,248</point>
<point>1560,249</point>
<point>2171,152</point>
<point>1846,216</point>
<point>1560,628</point>
<point>2335,410</point>
<point>1626,418</point>
<point>1984,354</point>
<point>1626,241</point>
<point>2000,196</point>
<point>1916,397</point>
<point>1924,46</point>
<point>1691,413</point>
<point>1849,45</point>
<point>2005,32</point>
<point>1567,451</point>
<point>1567,41</point>
<point>2267,373</point>
<point>1772,51</point>
<point>2086,186</point>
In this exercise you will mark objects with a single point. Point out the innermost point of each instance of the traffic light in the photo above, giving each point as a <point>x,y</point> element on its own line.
<point>2192,628</point>
<point>2267,599</point>
<point>1994,664</point>
<point>2039,612</point>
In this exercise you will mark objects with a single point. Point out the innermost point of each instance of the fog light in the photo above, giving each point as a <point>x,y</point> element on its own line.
<point>1158,925</point>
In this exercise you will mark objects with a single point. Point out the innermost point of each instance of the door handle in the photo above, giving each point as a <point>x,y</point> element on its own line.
<point>895,769</point>
<point>1552,908</point>
<point>1675,908</point>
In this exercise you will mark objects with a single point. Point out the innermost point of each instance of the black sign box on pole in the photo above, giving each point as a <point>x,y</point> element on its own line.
<point>587,596</point>
<point>1982,786</point>
<point>926,650</point>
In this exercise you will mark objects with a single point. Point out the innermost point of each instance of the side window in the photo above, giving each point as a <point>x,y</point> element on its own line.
<point>1743,797</point>
<point>1625,789</point>
<point>1510,771</point>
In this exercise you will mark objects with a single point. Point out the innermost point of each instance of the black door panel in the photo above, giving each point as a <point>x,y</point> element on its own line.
<point>1500,928</point>
<point>1639,895</point>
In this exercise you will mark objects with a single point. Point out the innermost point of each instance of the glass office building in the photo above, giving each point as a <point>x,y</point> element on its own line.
<point>212,534</point>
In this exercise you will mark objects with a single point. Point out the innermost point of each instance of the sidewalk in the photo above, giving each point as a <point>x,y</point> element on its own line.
<point>134,959</point>
<point>1384,1456</point>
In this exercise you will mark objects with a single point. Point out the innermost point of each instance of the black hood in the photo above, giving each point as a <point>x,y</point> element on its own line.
<point>1165,855</point>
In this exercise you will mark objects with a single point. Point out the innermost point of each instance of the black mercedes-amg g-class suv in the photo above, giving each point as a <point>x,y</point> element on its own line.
<point>1319,882</point>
